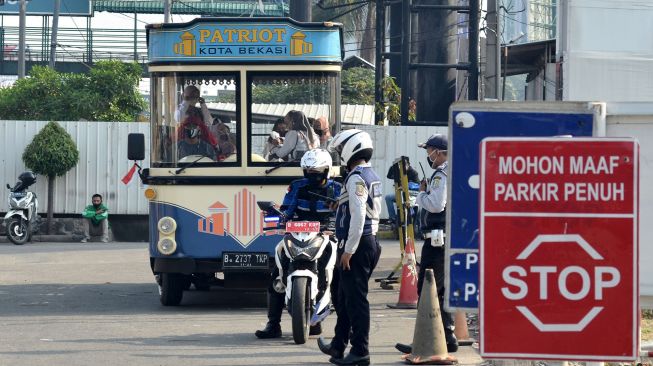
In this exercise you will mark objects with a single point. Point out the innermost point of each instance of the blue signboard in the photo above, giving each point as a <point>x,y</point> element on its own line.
<point>243,41</point>
<point>464,285</point>
<point>46,7</point>
<point>470,123</point>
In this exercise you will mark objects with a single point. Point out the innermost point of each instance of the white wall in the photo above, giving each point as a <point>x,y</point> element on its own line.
<point>392,142</point>
<point>636,120</point>
<point>606,48</point>
<point>102,163</point>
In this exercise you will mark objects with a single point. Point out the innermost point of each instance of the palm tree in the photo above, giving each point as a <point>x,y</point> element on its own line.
<point>358,18</point>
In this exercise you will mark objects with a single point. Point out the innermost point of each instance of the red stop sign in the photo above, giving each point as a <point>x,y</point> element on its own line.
<point>559,266</point>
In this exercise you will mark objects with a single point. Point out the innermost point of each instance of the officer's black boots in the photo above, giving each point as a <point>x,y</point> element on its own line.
<point>315,329</point>
<point>328,349</point>
<point>273,327</point>
<point>351,359</point>
<point>271,330</point>
<point>452,344</point>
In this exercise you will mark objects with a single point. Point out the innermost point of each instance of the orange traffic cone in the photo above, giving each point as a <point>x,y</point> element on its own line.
<point>461,331</point>
<point>408,290</point>
<point>429,344</point>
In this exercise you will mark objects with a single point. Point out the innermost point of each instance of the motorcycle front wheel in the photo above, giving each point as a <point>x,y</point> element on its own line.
<point>301,309</point>
<point>17,231</point>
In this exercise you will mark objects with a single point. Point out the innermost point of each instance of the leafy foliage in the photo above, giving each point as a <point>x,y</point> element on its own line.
<point>52,152</point>
<point>109,92</point>
<point>357,86</point>
<point>391,108</point>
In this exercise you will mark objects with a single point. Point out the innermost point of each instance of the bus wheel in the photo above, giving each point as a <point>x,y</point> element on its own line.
<point>172,289</point>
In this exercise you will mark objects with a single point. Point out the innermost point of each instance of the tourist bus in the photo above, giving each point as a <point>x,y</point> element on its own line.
<point>205,227</point>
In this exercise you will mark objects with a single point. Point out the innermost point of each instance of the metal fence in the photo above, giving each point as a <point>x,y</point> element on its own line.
<point>102,163</point>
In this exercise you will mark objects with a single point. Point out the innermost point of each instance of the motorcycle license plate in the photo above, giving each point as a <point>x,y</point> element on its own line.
<point>303,226</point>
<point>236,260</point>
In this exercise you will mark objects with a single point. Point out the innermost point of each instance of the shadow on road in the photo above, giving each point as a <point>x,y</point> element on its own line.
<point>115,299</point>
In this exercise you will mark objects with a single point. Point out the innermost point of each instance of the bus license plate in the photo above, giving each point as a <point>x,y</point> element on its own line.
<point>245,260</point>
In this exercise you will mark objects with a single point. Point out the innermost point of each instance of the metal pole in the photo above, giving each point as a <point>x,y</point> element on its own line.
<point>472,82</point>
<point>492,67</point>
<point>135,36</point>
<point>166,11</point>
<point>378,71</point>
<point>405,60</point>
<point>505,71</point>
<point>21,38</point>
<point>499,32</point>
<point>300,10</point>
<point>55,29</point>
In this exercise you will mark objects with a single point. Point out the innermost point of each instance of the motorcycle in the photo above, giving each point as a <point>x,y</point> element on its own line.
<point>308,255</point>
<point>22,219</point>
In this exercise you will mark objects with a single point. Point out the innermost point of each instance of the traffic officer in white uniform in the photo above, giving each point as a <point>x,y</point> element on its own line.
<point>432,202</point>
<point>357,221</point>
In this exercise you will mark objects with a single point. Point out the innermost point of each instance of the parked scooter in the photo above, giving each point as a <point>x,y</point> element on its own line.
<point>22,220</point>
<point>308,255</point>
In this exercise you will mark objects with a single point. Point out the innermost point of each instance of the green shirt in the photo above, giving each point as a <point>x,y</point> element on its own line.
<point>96,218</point>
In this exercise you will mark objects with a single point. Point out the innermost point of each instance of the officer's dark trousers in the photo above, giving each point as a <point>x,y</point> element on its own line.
<point>353,309</point>
<point>433,257</point>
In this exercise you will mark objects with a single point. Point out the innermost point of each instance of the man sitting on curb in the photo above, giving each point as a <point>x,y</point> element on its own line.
<point>96,217</point>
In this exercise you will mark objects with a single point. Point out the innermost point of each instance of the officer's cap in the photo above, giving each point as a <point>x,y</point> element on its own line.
<point>436,141</point>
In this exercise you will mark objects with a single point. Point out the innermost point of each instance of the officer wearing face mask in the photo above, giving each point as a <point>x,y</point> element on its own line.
<point>304,201</point>
<point>432,201</point>
<point>192,143</point>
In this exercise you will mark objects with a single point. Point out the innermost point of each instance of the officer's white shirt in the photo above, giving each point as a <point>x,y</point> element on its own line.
<point>358,209</point>
<point>434,199</point>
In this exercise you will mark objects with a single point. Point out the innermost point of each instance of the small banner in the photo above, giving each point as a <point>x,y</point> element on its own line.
<point>129,176</point>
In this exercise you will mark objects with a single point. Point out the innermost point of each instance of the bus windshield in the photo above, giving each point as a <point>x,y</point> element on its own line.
<point>290,113</point>
<point>184,129</point>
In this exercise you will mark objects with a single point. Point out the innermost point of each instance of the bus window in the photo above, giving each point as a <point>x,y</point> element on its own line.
<point>184,130</point>
<point>283,110</point>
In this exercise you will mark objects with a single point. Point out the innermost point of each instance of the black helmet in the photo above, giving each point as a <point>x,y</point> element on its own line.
<point>27,178</point>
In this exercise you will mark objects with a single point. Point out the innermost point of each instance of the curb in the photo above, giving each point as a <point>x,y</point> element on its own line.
<point>47,238</point>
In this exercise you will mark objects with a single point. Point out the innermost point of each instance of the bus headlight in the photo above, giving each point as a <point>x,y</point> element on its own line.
<point>166,246</point>
<point>167,225</point>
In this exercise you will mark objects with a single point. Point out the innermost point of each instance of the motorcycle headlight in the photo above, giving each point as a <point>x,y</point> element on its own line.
<point>307,249</point>
<point>166,246</point>
<point>167,225</point>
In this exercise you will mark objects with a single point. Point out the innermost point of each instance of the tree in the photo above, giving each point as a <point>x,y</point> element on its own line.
<point>391,107</point>
<point>357,86</point>
<point>109,92</point>
<point>52,153</point>
<point>359,23</point>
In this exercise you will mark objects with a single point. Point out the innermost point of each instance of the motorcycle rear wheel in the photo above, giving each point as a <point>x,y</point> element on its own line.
<point>18,231</point>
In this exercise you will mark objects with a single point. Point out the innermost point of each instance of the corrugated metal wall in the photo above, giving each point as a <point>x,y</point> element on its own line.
<point>102,163</point>
<point>390,142</point>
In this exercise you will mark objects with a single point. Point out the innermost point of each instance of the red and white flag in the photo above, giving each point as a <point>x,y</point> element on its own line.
<point>129,177</point>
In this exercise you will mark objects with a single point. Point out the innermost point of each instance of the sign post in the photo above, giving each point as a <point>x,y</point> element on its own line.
<point>469,123</point>
<point>558,248</point>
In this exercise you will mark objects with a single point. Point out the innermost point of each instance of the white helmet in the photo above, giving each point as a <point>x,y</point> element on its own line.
<point>317,159</point>
<point>352,145</point>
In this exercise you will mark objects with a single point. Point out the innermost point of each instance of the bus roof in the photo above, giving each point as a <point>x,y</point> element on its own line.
<point>245,40</point>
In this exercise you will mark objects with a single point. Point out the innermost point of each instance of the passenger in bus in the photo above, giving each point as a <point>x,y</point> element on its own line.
<point>190,98</point>
<point>192,140</point>
<point>226,142</point>
<point>301,205</point>
<point>322,129</point>
<point>279,130</point>
<point>300,138</point>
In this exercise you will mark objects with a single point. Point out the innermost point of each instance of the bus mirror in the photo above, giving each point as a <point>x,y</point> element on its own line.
<point>136,146</point>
